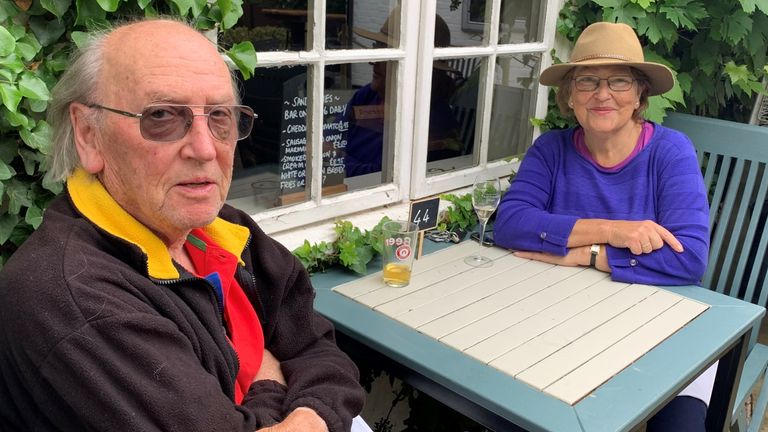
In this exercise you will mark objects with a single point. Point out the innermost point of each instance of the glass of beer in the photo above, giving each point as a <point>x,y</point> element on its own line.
<point>399,239</point>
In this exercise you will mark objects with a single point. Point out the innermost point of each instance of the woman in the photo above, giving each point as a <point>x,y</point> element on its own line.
<point>617,192</point>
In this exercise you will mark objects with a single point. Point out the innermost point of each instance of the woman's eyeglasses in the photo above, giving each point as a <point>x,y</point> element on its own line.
<point>615,83</point>
<point>171,122</point>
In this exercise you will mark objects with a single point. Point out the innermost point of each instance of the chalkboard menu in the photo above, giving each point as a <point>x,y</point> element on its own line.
<point>293,141</point>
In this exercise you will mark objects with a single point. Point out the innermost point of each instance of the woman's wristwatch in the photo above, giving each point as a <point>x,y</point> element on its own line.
<point>594,251</point>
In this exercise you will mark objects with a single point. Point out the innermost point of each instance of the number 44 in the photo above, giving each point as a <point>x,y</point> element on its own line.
<point>419,218</point>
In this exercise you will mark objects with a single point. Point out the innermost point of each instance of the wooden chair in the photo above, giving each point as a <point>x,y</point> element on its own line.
<point>734,161</point>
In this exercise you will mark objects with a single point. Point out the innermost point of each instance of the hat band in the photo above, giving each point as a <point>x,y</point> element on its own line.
<point>609,56</point>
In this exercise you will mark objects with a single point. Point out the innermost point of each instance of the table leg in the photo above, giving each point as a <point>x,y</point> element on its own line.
<point>443,395</point>
<point>726,382</point>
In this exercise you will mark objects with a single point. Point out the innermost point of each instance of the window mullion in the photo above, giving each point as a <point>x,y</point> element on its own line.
<point>315,87</point>
<point>423,50</point>
<point>317,25</point>
<point>315,131</point>
<point>486,89</point>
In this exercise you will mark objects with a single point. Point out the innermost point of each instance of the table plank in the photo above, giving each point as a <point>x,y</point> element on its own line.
<point>533,326</point>
<point>535,350</point>
<point>543,298</point>
<point>446,270</point>
<point>559,364</point>
<point>599,369</point>
<point>460,318</point>
<point>470,294</point>
<point>476,276</point>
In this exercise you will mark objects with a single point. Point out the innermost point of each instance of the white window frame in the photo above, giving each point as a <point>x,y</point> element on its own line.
<point>424,185</point>
<point>414,56</point>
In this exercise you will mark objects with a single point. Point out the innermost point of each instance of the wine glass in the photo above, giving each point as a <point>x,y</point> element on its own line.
<point>486,194</point>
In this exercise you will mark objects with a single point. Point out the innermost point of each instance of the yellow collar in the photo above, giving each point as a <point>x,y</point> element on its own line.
<point>94,202</point>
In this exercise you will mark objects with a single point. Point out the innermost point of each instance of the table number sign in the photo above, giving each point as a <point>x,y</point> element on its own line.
<point>424,214</point>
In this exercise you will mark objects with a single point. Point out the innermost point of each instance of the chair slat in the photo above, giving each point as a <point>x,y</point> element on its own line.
<point>736,197</point>
<point>744,271</point>
<point>723,215</point>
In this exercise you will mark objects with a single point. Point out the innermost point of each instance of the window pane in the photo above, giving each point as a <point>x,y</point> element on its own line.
<point>362,24</point>
<point>511,131</point>
<point>358,128</point>
<point>466,22</point>
<point>270,165</point>
<point>337,34</point>
<point>452,114</point>
<point>520,21</point>
<point>272,25</point>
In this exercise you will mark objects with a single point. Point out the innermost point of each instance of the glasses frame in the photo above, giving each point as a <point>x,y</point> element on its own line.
<point>244,109</point>
<point>632,81</point>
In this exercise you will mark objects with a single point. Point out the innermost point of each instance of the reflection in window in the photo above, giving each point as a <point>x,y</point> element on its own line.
<point>511,131</point>
<point>520,21</point>
<point>337,23</point>
<point>270,165</point>
<point>275,25</point>
<point>470,16</point>
<point>375,24</point>
<point>272,25</point>
<point>454,95</point>
<point>453,113</point>
<point>357,126</point>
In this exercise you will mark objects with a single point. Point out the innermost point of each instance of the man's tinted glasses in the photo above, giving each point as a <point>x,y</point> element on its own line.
<point>170,122</point>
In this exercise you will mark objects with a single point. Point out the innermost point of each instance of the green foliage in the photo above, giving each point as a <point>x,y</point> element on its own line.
<point>717,48</point>
<point>353,248</point>
<point>460,216</point>
<point>36,37</point>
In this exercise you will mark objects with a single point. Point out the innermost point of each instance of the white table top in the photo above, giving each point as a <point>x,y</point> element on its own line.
<point>562,330</point>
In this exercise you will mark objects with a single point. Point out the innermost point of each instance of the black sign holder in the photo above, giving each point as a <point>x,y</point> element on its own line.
<point>424,214</point>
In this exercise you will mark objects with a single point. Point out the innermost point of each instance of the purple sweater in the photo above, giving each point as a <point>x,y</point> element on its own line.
<point>556,186</point>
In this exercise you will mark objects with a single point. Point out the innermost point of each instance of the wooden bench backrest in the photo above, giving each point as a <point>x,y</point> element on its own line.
<point>733,159</point>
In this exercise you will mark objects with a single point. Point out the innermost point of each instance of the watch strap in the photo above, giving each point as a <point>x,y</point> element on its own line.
<point>594,251</point>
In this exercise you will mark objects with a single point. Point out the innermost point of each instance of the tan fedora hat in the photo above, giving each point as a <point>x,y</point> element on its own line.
<point>610,44</point>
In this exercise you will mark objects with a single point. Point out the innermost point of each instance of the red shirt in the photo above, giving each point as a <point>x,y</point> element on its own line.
<point>218,266</point>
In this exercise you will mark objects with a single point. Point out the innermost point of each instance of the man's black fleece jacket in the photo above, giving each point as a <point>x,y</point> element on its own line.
<point>89,341</point>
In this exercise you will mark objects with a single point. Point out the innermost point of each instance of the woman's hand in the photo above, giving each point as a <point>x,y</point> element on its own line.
<point>641,236</point>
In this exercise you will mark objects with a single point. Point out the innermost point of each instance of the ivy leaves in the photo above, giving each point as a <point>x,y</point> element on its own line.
<point>353,248</point>
<point>460,216</point>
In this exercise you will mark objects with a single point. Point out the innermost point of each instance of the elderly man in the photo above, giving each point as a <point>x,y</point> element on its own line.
<point>143,302</point>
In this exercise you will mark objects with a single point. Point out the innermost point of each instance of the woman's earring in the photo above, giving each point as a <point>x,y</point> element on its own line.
<point>570,104</point>
<point>637,104</point>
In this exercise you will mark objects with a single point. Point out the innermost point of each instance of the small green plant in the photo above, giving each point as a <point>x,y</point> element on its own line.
<point>352,249</point>
<point>460,216</point>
